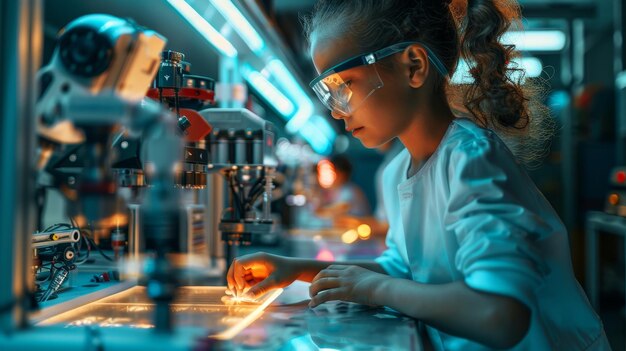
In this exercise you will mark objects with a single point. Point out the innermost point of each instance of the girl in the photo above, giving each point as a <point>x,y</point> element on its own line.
<point>474,249</point>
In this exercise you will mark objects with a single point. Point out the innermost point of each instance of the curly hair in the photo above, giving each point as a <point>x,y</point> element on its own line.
<point>499,98</point>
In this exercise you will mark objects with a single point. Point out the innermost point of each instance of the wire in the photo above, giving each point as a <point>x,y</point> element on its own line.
<point>93,243</point>
<point>57,226</point>
<point>254,194</point>
<point>59,277</point>
<point>236,196</point>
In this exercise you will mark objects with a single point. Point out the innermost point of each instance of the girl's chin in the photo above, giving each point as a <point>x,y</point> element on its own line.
<point>369,142</point>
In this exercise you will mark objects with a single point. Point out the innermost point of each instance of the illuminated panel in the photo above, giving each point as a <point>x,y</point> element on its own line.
<point>204,28</point>
<point>539,40</point>
<point>194,306</point>
<point>530,67</point>
<point>268,91</point>
<point>240,24</point>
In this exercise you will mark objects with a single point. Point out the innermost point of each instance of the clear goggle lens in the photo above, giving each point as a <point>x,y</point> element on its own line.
<point>344,92</point>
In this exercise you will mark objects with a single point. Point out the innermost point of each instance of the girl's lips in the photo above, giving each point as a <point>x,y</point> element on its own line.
<point>356,130</point>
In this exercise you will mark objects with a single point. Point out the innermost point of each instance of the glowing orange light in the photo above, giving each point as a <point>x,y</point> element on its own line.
<point>326,174</point>
<point>231,325</point>
<point>613,199</point>
<point>325,255</point>
<point>364,231</point>
<point>350,236</point>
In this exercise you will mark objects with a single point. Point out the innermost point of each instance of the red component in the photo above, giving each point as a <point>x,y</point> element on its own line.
<point>184,93</point>
<point>621,176</point>
<point>103,187</point>
<point>199,128</point>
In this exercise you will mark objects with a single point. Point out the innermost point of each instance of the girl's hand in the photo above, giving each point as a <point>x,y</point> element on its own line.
<point>346,283</point>
<point>253,275</point>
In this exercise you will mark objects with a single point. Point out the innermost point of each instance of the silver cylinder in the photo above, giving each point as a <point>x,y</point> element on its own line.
<point>221,152</point>
<point>240,151</point>
<point>257,151</point>
<point>55,237</point>
<point>135,241</point>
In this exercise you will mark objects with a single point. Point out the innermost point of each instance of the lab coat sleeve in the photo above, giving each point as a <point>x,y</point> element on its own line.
<point>391,261</point>
<point>495,230</point>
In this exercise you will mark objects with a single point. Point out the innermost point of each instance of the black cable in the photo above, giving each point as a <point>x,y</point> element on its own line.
<point>254,186</point>
<point>256,192</point>
<point>235,196</point>
<point>257,188</point>
<point>57,226</point>
<point>254,199</point>
<point>78,250</point>
<point>99,249</point>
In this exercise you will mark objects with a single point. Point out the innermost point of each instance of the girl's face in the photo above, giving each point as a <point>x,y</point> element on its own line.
<point>387,111</point>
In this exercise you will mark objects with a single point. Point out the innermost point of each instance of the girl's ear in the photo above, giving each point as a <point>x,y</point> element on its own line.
<point>415,62</point>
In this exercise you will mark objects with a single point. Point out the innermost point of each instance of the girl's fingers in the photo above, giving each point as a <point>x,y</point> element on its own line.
<point>323,284</point>
<point>327,273</point>
<point>327,295</point>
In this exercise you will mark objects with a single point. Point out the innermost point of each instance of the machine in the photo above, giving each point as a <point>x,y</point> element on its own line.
<point>100,137</point>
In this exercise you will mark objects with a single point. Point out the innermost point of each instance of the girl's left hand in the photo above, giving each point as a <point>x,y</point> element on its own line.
<point>346,283</point>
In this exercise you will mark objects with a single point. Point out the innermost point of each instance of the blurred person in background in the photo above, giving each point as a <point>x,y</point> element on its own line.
<point>378,221</point>
<point>338,195</point>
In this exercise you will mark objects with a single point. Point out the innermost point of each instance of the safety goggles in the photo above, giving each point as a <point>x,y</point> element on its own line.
<point>344,92</point>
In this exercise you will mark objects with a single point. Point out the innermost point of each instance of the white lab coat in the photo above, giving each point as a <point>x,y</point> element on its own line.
<point>472,213</point>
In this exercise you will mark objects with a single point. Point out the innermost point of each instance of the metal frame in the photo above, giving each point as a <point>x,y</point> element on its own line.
<point>21,44</point>
<point>598,222</point>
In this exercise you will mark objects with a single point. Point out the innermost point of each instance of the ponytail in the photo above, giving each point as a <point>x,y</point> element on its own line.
<point>497,99</point>
<point>493,95</point>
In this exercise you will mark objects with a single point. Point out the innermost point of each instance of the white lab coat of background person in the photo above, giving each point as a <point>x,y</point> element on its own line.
<point>472,213</point>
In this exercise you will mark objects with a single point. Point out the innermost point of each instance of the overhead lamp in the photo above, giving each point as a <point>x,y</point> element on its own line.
<point>240,24</point>
<point>315,138</point>
<point>322,125</point>
<point>300,118</point>
<point>531,66</point>
<point>537,40</point>
<point>305,106</point>
<point>204,28</point>
<point>268,91</point>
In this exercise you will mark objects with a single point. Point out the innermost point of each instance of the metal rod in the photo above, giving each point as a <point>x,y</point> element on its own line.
<point>21,36</point>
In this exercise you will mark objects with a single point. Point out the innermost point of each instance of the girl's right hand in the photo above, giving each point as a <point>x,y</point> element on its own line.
<point>251,276</point>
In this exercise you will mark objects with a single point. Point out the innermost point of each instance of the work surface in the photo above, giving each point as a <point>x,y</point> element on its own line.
<point>281,321</point>
<point>285,322</point>
<point>289,324</point>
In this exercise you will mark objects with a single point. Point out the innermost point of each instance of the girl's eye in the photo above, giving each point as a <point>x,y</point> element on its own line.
<point>348,83</point>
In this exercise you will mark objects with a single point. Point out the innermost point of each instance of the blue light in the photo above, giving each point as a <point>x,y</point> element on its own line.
<point>532,67</point>
<point>269,92</point>
<point>538,40</point>
<point>315,138</point>
<point>323,126</point>
<point>557,101</point>
<point>240,24</point>
<point>301,118</point>
<point>305,106</point>
<point>204,28</point>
